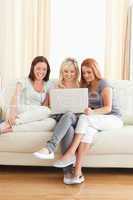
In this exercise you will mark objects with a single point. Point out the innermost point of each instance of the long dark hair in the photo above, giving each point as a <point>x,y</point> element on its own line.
<point>34,62</point>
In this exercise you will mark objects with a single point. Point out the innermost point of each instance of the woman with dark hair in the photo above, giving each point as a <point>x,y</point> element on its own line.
<point>36,60</point>
<point>29,105</point>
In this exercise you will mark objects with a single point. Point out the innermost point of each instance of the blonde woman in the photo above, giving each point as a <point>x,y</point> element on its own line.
<point>64,130</point>
<point>103,113</point>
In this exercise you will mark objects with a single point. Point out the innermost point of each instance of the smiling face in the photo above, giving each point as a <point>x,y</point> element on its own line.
<point>69,73</point>
<point>40,70</point>
<point>88,74</point>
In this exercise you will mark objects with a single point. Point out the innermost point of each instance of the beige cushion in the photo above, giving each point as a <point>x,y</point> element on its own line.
<point>23,141</point>
<point>124,91</point>
<point>114,141</point>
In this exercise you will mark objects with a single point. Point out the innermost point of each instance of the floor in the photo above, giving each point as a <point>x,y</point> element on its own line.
<point>26,183</point>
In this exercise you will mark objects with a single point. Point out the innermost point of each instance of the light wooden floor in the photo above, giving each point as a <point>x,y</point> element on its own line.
<point>27,183</point>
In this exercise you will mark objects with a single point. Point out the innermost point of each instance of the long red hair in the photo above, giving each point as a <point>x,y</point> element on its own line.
<point>90,63</point>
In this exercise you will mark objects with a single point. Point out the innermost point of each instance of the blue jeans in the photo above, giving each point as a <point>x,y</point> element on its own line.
<point>63,133</point>
<point>1,121</point>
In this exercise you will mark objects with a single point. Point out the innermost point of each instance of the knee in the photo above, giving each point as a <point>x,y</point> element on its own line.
<point>83,117</point>
<point>50,122</point>
<point>70,115</point>
<point>70,131</point>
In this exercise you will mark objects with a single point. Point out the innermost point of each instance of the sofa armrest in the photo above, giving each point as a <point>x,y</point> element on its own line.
<point>2,106</point>
<point>0,113</point>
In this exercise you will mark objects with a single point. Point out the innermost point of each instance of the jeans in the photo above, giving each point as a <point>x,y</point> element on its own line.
<point>63,132</point>
<point>1,121</point>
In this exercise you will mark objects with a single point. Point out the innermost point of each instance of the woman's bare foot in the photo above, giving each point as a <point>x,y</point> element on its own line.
<point>7,130</point>
<point>5,127</point>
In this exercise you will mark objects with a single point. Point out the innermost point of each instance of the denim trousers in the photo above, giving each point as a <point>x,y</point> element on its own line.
<point>63,133</point>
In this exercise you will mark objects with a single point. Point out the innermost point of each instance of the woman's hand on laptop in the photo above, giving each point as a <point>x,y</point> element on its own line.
<point>88,111</point>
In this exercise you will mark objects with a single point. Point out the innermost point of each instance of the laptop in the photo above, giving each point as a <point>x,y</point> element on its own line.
<point>64,100</point>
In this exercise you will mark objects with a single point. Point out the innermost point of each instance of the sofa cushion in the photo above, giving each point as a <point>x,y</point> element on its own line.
<point>6,94</point>
<point>114,141</point>
<point>122,88</point>
<point>124,91</point>
<point>23,141</point>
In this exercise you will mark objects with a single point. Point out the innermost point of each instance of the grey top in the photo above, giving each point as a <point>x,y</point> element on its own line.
<point>96,100</point>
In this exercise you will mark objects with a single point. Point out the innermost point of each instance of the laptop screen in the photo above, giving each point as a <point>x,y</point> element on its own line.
<point>64,100</point>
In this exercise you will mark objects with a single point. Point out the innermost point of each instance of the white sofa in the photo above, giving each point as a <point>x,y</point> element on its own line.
<point>113,148</point>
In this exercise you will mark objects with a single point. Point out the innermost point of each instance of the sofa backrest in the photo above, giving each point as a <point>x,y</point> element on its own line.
<point>123,89</point>
<point>124,92</point>
<point>6,94</point>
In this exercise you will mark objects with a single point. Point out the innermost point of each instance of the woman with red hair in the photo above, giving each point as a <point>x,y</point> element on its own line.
<point>103,113</point>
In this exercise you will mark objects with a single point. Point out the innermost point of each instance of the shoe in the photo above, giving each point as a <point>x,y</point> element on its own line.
<point>74,180</point>
<point>68,181</point>
<point>44,154</point>
<point>68,177</point>
<point>78,179</point>
<point>64,163</point>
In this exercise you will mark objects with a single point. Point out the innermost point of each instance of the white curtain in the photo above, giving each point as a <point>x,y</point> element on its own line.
<point>126,70</point>
<point>116,30</point>
<point>24,34</point>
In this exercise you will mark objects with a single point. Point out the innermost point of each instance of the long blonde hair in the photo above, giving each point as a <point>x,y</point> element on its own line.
<point>90,63</point>
<point>68,62</point>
